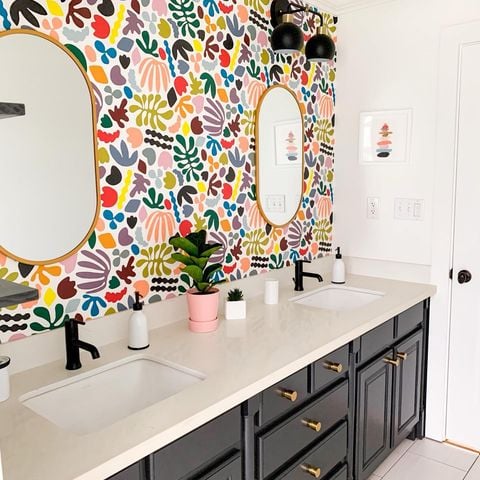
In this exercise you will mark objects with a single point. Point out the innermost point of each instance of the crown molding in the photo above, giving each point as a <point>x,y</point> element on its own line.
<point>335,8</point>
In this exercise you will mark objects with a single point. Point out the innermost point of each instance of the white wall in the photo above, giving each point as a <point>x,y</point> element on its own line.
<point>389,58</point>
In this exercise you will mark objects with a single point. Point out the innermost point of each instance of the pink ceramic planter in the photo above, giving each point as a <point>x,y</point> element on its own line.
<point>203,311</point>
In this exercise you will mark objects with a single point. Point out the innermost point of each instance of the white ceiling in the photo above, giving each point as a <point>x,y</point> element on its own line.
<point>343,6</point>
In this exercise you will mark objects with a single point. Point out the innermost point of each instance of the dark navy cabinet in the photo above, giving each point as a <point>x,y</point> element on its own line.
<point>390,389</point>
<point>133,472</point>
<point>336,419</point>
<point>373,415</point>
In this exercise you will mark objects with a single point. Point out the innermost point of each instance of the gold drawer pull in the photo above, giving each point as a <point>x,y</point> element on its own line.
<point>288,394</point>
<point>402,355</point>
<point>313,471</point>
<point>313,424</point>
<point>395,363</point>
<point>334,367</point>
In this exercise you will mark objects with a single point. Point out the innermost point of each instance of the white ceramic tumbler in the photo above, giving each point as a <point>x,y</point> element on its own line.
<point>4,379</point>
<point>271,291</point>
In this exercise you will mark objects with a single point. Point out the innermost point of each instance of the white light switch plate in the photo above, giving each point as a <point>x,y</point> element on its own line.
<point>276,203</point>
<point>409,208</point>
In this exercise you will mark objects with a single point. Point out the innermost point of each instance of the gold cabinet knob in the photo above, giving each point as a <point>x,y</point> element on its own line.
<point>288,394</point>
<point>310,469</point>
<point>395,363</point>
<point>402,355</point>
<point>313,424</point>
<point>334,367</point>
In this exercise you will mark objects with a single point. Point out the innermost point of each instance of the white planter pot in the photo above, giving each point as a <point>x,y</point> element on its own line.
<point>235,310</point>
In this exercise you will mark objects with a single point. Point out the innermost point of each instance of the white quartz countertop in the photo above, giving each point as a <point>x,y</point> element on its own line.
<point>240,359</point>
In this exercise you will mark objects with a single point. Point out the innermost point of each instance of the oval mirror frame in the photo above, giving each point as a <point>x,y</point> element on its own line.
<point>259,167</point>
<point>93,146</point>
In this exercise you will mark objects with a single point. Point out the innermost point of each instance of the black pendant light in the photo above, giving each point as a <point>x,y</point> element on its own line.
<point>320,48</point>
<point>287,38</point>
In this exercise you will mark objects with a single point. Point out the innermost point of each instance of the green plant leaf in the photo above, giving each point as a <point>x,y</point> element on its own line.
<point>184,244</point>
<point>212,248</point>
<point>182,258</point>
<point>203,286</point>
<point>201,262</point>
<point>195,272</point>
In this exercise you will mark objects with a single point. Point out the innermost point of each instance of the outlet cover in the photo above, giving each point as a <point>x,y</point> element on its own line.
<point>373,208</point>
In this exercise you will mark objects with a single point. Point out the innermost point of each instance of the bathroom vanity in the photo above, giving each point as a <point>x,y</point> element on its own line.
<point>296,393</point>
<point>337,418</point>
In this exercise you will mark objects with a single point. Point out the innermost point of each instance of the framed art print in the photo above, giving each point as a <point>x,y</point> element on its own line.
<point>288,143</point>
<point>384,137</point>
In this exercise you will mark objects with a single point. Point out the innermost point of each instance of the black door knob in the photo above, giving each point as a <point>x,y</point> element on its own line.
<point>464,276</point>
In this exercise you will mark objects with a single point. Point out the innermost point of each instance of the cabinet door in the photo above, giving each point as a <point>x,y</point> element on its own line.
<point>374,420</point>
<point>230,470</point>
<point>408,381</point>
<point>133,472</point>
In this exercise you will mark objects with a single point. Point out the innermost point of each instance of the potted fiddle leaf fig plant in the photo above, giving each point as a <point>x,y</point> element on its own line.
<point>203,298</point>
<point>235,306</point>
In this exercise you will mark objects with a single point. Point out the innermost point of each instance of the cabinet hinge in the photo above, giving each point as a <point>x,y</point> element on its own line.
<point>450,274</point>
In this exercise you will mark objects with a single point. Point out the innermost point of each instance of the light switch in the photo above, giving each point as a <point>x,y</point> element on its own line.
<point>408,208</point>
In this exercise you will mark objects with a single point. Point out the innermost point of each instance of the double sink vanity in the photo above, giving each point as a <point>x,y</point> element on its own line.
<point>322,385</point>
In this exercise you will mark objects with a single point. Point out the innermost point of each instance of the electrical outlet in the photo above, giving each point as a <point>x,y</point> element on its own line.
<point>275,203</point>
<point>373,208</point>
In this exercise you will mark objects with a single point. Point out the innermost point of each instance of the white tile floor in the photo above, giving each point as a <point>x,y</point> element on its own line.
<point>429,460</point>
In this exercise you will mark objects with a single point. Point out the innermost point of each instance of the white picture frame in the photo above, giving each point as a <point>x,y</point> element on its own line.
<point>384,137</point>
<point>288,143</point>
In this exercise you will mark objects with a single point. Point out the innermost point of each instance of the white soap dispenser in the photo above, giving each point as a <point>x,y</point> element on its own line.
<point>138,326</point>
<point>338,272</point>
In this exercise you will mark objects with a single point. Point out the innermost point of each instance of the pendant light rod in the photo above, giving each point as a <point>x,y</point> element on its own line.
<point>284,7</point>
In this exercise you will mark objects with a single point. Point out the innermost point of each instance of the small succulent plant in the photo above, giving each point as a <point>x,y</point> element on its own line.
<point>235,295</point>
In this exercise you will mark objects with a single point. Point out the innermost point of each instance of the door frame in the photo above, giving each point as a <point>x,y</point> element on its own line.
<point>453,38</point>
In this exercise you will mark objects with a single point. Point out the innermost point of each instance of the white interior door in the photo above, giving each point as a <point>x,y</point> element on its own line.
<point>463,403</point>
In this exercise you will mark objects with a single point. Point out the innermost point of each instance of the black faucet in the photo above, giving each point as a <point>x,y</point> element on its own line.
<point>73,345</point>
<point>299,274</point>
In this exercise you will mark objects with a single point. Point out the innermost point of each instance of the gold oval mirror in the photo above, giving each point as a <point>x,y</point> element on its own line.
<point>49,196</point>
<point>279,155</point>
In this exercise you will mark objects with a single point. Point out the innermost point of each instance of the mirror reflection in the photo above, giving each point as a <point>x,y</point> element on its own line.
<point>279,150</point>
<point>49,194</point>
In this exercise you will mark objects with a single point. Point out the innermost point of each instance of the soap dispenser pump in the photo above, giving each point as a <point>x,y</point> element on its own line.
<point>338,272</point>
<point>138,326</point>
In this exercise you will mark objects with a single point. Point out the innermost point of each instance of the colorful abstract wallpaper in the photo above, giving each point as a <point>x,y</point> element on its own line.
<point>176,86</point>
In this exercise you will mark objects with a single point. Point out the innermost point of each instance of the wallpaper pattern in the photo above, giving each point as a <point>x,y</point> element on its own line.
<point>176,85</point>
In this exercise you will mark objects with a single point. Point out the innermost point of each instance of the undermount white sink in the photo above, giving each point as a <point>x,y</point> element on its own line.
<point>337,297</point>
<point>89,402</point>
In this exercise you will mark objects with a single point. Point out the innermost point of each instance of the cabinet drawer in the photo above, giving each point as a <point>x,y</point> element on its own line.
<point>376,340</point>
<point>202,445</point>
<point>340,475</point>
<point>283,396</point>
<point>322,459</point>
<point>229,470</point>
<point>278,445</point>
<point>409,319</point>
<point>133,472</point>
<point>330,368</point>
